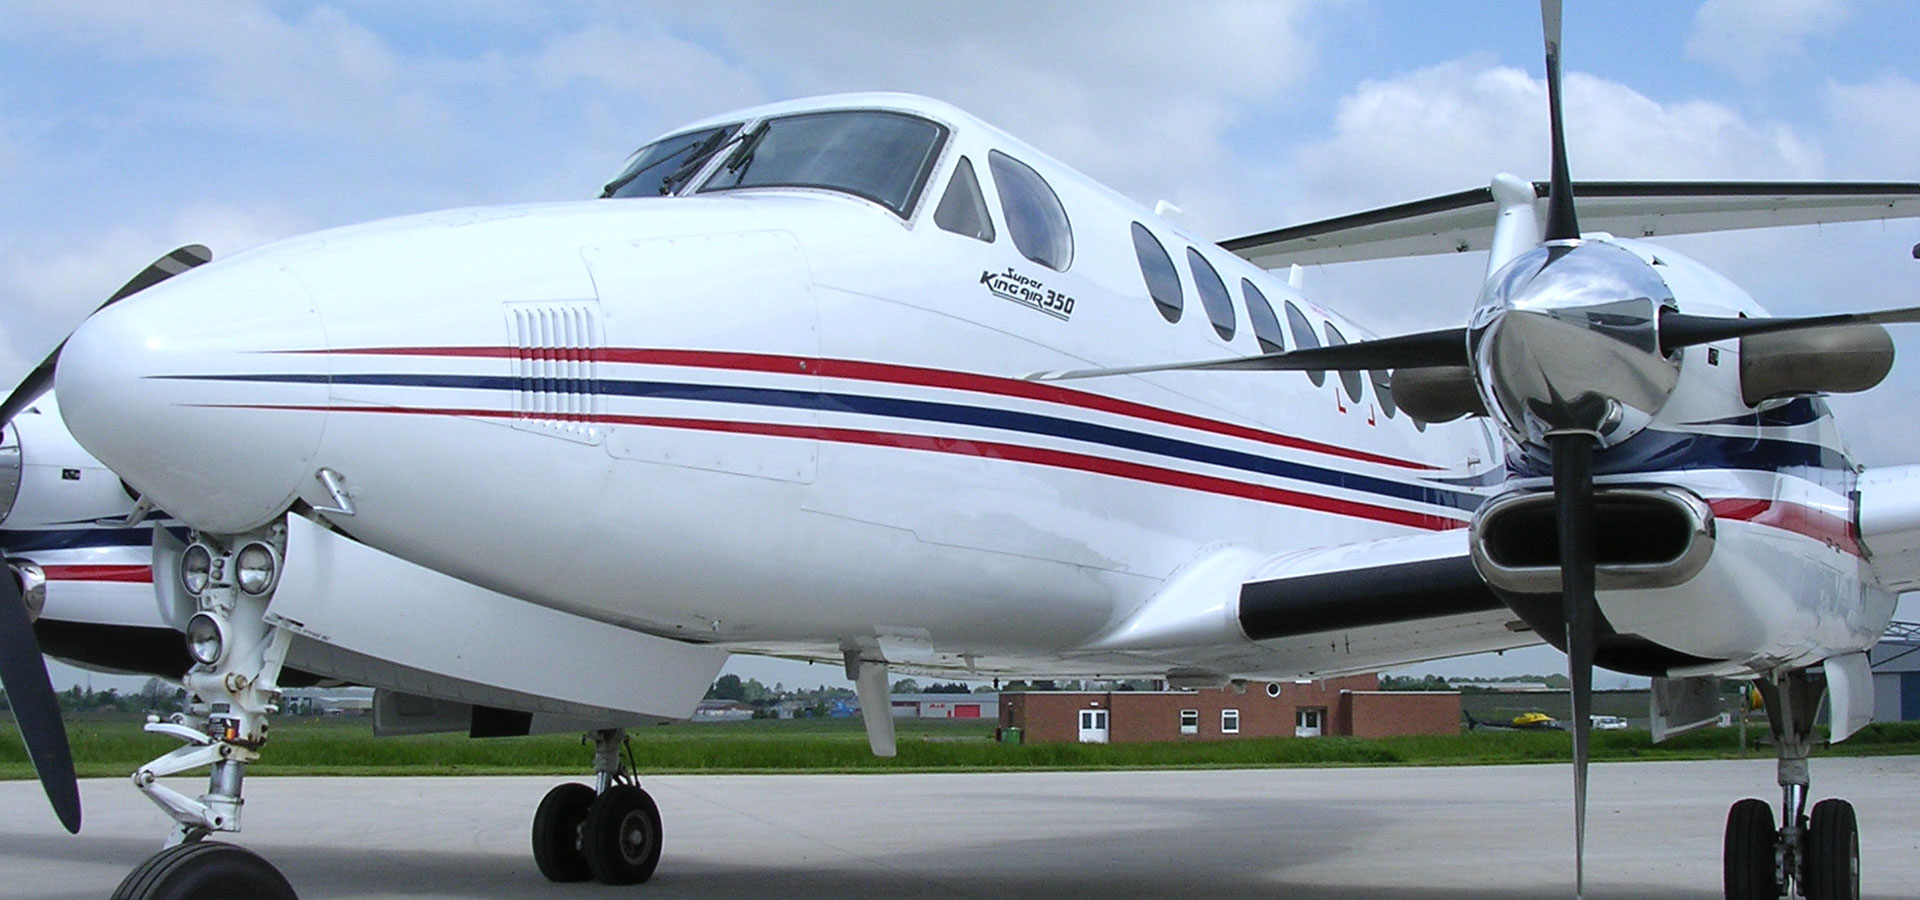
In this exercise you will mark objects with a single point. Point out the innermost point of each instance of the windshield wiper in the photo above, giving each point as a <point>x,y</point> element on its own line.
<point>743,155</point>
<point>712,145</point>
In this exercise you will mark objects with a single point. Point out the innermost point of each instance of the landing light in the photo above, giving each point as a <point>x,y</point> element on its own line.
<point>196,569</point>
<point>205,640</point>
<point>255,567</point>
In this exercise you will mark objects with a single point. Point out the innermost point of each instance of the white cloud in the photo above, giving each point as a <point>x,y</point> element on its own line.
<point>1877,134</point>
<point>1455,125</point>
<point>1749,38</point>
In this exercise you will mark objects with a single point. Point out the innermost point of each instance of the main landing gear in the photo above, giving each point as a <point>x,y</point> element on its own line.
<point>233,689</point>
<point>1813,856</point>
<point>609,832</point>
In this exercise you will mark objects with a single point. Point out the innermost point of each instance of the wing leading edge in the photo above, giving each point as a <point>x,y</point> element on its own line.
<point>1464,221</point>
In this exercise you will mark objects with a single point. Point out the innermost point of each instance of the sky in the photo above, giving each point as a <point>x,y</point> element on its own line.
<point>129,128</point>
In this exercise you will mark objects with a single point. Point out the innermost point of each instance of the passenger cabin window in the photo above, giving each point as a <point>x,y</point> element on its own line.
<point>882,156</point>
<point>663,167</point>
<point>1383,390</point>
<point>1213,294</point>
<point>1351,379</point>
<point>1266,326</point>
<point>963,209</point>
<point>1163,282</point>
<point>1304,338</point>
<point>1035,219</point>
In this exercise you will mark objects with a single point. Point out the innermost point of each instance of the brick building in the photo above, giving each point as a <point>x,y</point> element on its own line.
<point>1353,705</point>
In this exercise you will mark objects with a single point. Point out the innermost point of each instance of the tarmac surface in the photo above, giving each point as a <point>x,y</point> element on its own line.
<point>1501,832</point>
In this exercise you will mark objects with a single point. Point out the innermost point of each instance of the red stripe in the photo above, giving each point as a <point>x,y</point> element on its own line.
<point>988,449</point>
<point>118,574</point>
<point>1795,517</point>
<point>919,376</point>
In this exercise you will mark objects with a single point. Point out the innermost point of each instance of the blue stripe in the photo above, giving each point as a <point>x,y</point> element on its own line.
<point>925,411</point>
<point>29,540</point>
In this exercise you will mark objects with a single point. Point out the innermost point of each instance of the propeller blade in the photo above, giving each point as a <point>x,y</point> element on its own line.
<point>1679,330</point>
<point>37,381</point>
<point>35,709</point>
<point>1430,349</point>
<point>1561,222</point>
<point>1573,514</point>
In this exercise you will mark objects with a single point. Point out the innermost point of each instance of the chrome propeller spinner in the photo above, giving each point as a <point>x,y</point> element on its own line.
<point>1565,339</point>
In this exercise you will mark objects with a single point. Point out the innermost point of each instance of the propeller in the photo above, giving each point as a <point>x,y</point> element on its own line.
<point>29,691</point>
<point>1572,455</point>
<point>35,709</point>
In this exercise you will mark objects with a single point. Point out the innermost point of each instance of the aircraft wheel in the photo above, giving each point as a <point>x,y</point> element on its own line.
<point>1747,860</point>
<point>1833,852</point>
<point>202,870</point>
<point>621,837</point>
<point>556,833</point>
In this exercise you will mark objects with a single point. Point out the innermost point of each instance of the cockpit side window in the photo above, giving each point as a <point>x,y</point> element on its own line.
<point>1163,281</point>
<point>1304,338</point>
<point>1035,219</point>
<point>882,156</point>
<point>662,167</point>
<point>963,209</point>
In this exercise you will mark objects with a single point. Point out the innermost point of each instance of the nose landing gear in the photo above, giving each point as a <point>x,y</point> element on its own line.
<point>610,832</point>
<point>234,689</point>
<point>1817,856</point>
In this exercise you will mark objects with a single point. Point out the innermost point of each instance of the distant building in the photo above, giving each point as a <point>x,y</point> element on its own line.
<point>1352,705</point>
<point>946,706</point>
<point>336,701</point>
<point>1896,674</point>
<point>722,711</point>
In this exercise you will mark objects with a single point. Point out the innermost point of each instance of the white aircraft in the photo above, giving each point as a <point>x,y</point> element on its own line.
<point>543,467</point>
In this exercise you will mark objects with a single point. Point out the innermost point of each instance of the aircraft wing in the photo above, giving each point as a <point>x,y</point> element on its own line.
<point>1328,610</point>
<point>1463,221</point>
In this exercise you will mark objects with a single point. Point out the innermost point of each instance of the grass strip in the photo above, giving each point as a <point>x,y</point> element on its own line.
<point>112,748</point>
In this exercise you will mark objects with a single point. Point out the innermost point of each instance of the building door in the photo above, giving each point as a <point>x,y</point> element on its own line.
<point>1093,726</point>
<point>1309,722</point>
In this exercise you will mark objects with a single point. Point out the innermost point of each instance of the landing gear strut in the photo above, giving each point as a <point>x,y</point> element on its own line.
<point>609,832</point>
<point>1817,856</point>
<point>233,690</point>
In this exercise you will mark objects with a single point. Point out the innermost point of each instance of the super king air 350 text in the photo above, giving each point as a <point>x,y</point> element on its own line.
<point>863,378</point>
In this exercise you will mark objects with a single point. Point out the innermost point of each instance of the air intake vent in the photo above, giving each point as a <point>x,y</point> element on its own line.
<point>556,368</point>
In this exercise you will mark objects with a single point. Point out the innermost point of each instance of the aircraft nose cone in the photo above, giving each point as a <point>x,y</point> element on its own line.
<point>207,392</point>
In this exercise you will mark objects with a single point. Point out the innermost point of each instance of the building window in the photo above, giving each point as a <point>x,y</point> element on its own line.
<point>1035,219</point>
<point>1309,721</point>
<point>1163,282</point>
<point>964,209</point>
<point>1273,688</point>
<point>1213,294</point>
<point>1189,721</point>
<point>1229,721</point>
<point>1304,338</point>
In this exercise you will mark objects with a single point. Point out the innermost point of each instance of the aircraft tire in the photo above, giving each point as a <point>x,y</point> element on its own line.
<point>1833,852</point>
<point>1747,860</point>
<point>621,837</point>
<point>556,833</point>
<point>204,869</point>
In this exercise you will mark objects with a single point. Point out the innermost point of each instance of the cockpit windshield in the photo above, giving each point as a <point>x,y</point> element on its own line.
<point>885,157</point>
<point>661,167</point>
